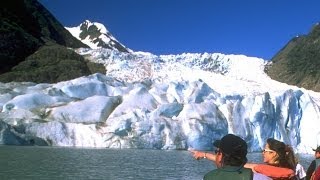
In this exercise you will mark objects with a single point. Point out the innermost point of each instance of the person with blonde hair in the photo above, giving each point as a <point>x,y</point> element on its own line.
<point>279,159</point>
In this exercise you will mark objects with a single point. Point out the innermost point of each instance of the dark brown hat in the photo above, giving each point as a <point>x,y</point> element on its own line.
<point>317,150</point>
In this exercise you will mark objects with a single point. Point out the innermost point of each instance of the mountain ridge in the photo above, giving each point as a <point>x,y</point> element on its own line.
<point>298,62</point>
<point>283,66</point>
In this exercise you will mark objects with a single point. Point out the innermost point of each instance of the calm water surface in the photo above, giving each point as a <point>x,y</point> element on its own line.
<point>31,162</point>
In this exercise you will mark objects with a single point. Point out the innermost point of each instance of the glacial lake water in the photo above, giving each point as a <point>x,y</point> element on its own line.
<point>34,162</point>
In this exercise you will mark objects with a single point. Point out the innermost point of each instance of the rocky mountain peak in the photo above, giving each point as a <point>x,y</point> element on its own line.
<point>96,35</point>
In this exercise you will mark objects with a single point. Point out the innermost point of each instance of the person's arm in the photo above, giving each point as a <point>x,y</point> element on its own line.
<point>311,169</point>
<point>201,154</point>
<point>251,166</point>
<point>274,172</point>
<point>210,156</point>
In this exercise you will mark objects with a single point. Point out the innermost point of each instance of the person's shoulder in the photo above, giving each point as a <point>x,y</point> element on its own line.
<point>213,171</point>
<point>313,163</point>
<point>210,174</point>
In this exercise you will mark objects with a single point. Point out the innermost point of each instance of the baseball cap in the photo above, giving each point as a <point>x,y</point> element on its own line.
<point>216,143</point>
<point>232,145</point>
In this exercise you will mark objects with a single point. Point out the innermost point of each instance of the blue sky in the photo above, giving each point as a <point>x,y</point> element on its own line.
<point>258,28</point>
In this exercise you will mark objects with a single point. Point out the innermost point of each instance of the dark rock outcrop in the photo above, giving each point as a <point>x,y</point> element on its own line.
<point>51,64</point>
<point>298,63</point>
<point>25,26</point>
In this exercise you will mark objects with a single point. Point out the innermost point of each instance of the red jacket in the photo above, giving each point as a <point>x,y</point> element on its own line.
<point>275,172</point>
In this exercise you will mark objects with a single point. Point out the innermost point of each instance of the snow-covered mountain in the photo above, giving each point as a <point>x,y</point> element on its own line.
<point>96,35</point>
<point>161,102</point>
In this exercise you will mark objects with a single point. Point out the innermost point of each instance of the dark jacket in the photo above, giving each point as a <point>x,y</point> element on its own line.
<point>230,173</point>
<point>314,164</point>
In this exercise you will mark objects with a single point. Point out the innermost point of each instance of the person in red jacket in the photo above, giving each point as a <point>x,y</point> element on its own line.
<point>279,159</point>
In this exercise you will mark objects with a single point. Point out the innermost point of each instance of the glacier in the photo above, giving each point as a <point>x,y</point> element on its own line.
<point>161,102</point>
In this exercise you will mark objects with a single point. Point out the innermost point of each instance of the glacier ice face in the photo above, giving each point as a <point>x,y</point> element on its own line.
<point>161,102</point>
